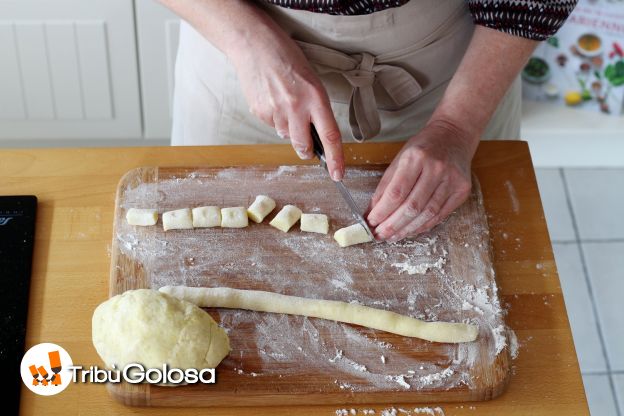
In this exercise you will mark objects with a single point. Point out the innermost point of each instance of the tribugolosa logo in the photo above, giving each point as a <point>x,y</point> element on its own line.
<point>45,369</point>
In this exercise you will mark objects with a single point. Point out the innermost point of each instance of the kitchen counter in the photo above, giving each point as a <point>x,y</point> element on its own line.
<point>76,191</point>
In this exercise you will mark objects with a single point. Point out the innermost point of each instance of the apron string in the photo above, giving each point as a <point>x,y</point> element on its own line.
<point>361,71</point>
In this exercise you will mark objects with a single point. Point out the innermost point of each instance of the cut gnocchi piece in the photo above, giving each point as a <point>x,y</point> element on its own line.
<point>315,223</point>
<point>142,216</point>
<point>353,234</point>
<point>209,216</point>
<point>179,219</point>
<point>286,218</point>
<point>234,217</point>
<point>260,208</point>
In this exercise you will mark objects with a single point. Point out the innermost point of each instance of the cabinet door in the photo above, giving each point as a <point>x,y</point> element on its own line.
<point>157,30</point>
<point>68,69</point>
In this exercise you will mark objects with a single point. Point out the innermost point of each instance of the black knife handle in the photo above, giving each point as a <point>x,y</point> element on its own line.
<point>319,151</point>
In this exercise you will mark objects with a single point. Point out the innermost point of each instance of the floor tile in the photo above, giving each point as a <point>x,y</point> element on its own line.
<point>579,307</point>
<point>605,264</point>
<point>599,395</point>
<point>598,201</point>
<point>556,210</point>
<point>618,379</point>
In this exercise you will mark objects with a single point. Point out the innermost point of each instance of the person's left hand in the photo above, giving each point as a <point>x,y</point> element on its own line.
<point>425,182</point>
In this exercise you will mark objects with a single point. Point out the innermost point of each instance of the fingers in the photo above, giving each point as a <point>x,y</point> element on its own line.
<point>300,138</point>
<point>290,99</point>
<point>327,128</point>
<point>422,204</point>
<point>421,225</point>
<point>264,113</point>
<point>432,213</point>
<point>281,125</point>
<point>454,201</point>
<point>399,187</point>
<point>381,187</point>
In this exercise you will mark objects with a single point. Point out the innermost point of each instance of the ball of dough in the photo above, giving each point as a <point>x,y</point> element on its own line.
<point>142,216</point>
<point>315,223</point>
<point>206,217</point>
<point>286,218</point>
<point>234,217</point>
<point>353,234</point>
<point>151,328</point>
<point>180,219</point>
<point>260,208</point>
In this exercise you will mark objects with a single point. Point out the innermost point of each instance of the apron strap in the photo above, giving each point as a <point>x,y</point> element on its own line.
<point>361,71</point>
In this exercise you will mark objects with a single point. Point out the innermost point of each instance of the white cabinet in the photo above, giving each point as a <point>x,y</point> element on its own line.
<point>68,69</point>
<point>157,32</point>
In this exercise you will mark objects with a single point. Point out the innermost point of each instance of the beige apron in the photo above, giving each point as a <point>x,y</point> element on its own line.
<point>384,73</point>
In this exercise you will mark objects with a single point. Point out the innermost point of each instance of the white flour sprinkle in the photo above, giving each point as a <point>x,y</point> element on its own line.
<point>467,306</point>
<point>432,411</point>
<point>359,367</point>
<point>400,380</point>
<point>437,377</point>
<point>500,340</point>
<point>515,203</point>
<point>280,171</point>
<point>448,290</point>
<point>435,411</point>
<point>345,386</point>
<point>419,268</point>
<point>514,347</point>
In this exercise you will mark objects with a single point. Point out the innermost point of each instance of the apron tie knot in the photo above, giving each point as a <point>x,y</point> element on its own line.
<point>363,75</point>
<point>362,72</point>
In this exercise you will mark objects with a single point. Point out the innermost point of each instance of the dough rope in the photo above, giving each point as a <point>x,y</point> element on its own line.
<point>255,300</point>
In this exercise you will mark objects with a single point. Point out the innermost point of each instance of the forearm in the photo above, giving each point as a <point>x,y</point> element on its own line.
<point>279,84</point>
<point>491,62</point>
<point>231,26</point>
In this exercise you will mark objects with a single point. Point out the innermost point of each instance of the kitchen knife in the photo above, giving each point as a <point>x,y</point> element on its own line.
<point>319,151</point>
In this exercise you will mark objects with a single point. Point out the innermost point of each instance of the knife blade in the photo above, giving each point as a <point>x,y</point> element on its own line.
<point>319,151</point>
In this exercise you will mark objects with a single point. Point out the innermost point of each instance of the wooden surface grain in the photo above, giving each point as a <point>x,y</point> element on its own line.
<point>287,360</point>
<point>76,190</point>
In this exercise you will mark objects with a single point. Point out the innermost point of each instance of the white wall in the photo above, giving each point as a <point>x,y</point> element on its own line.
<point>100,73</point>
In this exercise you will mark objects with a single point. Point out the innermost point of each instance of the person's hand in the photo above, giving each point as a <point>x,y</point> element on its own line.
<point>283,91</point>
<point>425,182</point>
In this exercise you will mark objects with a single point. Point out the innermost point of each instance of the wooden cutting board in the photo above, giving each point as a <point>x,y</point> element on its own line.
<point>276,359</point>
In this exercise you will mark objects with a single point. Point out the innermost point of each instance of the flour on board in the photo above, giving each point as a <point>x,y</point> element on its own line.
<point>394,411</point>
<point>422,277</point>
<point>513,196</point>
<point>514,346</point>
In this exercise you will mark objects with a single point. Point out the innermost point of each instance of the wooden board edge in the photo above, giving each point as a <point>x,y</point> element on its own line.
<point>501,379</point>
<point>136,395</point>
<point>160,397</point>
<point>128,178</point>
<point>125,393</point>
<point>142,395</point>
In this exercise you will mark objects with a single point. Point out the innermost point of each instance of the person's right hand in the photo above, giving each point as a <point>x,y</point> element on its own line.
<point>283,91</point>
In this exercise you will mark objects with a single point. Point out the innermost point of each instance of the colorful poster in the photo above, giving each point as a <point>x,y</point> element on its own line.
<point>582,66</point>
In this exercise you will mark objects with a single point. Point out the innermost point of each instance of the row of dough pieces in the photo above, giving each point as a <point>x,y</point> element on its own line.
<point>237,217</point>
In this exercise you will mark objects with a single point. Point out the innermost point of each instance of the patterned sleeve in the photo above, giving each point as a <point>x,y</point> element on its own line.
<point>532,19</point>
